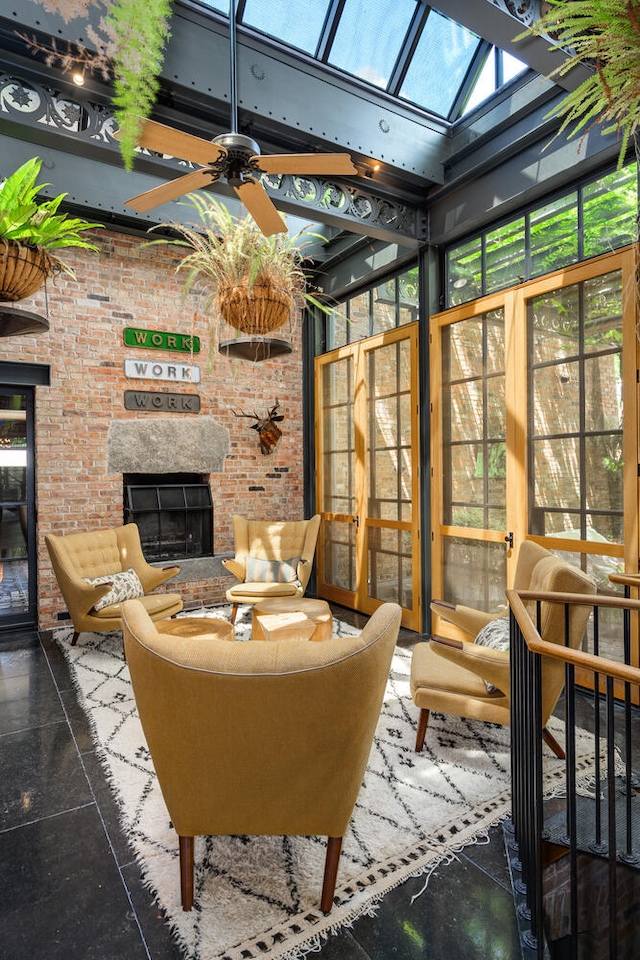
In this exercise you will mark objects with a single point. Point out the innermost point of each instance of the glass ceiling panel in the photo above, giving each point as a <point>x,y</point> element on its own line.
<point>296,22</point>
<point>372,37</point>
<point>369,38</point>
<point>440,64</point>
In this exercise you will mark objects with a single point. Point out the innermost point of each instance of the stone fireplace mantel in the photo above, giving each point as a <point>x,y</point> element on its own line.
<point>167,445</point>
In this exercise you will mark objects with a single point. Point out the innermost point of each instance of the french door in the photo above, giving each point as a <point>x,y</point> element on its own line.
<point>534,432</point>
<point>17,509</point>
<point>368,473</point>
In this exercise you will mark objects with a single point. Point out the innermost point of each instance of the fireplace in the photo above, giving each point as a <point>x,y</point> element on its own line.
<point>173,512</point>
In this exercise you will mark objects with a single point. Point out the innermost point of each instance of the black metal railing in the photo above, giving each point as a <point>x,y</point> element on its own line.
<point>574,838</point>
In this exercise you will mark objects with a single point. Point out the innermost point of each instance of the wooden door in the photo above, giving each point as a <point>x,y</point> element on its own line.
<point>368,474</point>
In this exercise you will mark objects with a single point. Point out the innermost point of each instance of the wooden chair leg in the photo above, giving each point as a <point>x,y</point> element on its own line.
<point>334,846</point>
<point>234,612</point>
<point>423,720</point>
<point>551,741</point>
<point>186,871</point>
<point>74,638</point>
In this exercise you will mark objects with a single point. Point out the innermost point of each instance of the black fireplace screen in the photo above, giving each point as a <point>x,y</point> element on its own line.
<point>174,514</point>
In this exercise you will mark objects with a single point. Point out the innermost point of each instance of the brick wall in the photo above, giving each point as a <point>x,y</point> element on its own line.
<point>129,285</point>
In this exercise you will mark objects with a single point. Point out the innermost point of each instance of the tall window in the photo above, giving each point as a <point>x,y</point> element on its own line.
<point>600,216</point>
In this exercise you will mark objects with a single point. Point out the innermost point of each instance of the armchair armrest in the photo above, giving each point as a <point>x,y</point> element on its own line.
<point>488,664</point>
<point>234,566</point>
<point>81,596</point>
<point>467,618</point>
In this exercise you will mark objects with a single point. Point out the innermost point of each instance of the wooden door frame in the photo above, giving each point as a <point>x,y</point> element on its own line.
<point>359,599</point>
<point>513,301</point>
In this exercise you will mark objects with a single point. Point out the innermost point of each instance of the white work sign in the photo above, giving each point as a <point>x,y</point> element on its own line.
<point>176,372</point>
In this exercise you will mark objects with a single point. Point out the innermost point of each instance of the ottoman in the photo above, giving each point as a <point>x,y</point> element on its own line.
<point>197,628</point>
<point>291,618</point>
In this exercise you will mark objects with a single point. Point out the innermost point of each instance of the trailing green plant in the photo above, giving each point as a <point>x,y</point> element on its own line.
<point>605,34</point>
<point>26,220</point>
<point>229,250</point>
<point>129,42</point>
<point>141,30</point>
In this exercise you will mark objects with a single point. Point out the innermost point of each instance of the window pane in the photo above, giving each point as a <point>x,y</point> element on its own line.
<point>462,350</point>
<point>297,22</point>
<point>408,293</point>
<point>369,36</point>
<point>511,66</point>
<point>464,272</point>
<point>610,209</point>
<point>360,317</point>
<point>555,325</point>
<point>554,235</point>
<point>475,573</point>
<point>384,307</point>
<point>443,56</point>
<point>339,553</point>
<point>337,328</point>
<point>505,256</point>
<point>390,566</point>
<point>485,85</point>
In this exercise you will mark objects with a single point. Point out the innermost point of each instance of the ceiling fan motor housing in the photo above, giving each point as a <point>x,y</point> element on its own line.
<point>240,150</point>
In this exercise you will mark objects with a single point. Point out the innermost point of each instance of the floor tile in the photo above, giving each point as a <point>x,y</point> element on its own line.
<point>28,699</point>
<point>462,913</point>
<point>40,775</point>
<point>489,855</point>
<point>151,918</point>
<point>63,897</point>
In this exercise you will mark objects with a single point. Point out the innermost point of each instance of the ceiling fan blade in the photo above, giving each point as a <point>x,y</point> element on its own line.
<point>319,163</point>
<point>261,208</point>
<point>175,143</point>
<point>172,189</point>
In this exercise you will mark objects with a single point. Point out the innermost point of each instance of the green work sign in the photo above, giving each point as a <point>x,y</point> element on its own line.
<point>161,340</point>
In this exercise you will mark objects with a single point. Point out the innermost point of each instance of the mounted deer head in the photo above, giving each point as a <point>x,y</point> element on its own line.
<point>268,431</point>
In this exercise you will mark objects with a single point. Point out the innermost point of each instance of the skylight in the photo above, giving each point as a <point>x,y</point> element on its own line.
<point>406,48</point>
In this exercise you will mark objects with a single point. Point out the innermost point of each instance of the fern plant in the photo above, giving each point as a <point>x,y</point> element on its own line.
<point>141,30</point>
<point>605,34</point>
<point>27,220</point>
<point>226,252</point>
<point>129,43</point>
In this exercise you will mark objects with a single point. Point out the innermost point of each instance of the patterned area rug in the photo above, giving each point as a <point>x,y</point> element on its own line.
<point>259,896</point>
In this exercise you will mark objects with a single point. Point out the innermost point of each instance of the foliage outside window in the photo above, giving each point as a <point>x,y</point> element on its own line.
<point>388,305</point>
<point>597,217</point>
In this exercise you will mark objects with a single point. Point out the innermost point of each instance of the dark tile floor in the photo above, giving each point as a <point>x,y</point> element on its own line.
<point>71,889</point>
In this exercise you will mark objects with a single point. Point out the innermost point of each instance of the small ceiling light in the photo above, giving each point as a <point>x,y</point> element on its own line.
<point>78,77</point>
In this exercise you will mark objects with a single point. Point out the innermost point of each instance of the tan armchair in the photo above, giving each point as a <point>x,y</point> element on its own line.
<point>98,553</point>
<point>259,738</point>
<point>258,541</point>
<point>455,676</point>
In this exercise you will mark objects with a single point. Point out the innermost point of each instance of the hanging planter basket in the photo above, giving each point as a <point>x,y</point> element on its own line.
<point>23,270</point>
<point>254,308</point>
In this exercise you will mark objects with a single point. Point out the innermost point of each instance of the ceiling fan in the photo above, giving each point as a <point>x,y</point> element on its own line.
<point>233,157</point>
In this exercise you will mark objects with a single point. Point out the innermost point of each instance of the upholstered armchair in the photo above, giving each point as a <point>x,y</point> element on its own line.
<point>107,556</point>
<point>468,678</point>
<point>259,738</point>
<point>272,559</point>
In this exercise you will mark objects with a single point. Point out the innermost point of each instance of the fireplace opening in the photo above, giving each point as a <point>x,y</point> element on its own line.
<point>173,512</point>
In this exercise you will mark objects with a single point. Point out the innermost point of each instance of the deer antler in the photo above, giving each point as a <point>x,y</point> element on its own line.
<point>268,432</point>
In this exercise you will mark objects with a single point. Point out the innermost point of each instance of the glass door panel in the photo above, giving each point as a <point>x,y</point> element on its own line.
<point>535,435</point>
<point>337,461</point>
<point>16,509</point>
<point>471,459</point>
<point>368,474</point>
<point>391,474</point>
<point>576,430</point>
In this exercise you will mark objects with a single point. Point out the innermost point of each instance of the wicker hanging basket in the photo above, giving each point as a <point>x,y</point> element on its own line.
<point>254,308</point>
<point>23,270</point>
